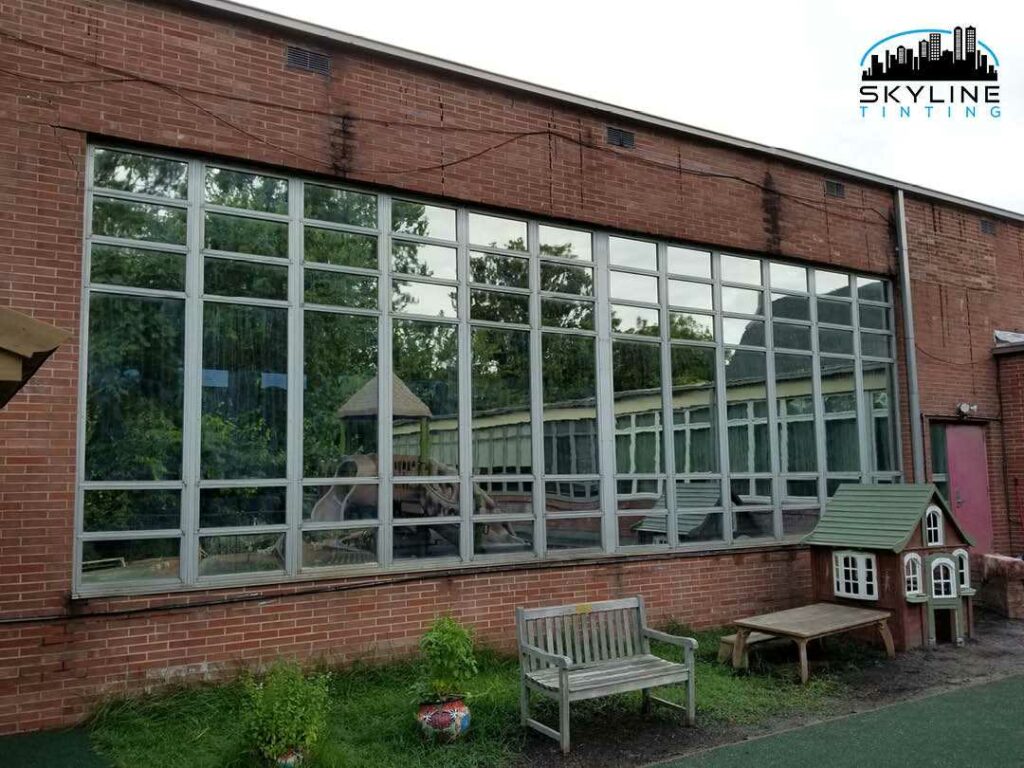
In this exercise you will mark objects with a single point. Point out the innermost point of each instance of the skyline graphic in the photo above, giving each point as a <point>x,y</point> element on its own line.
<point>930,61</point>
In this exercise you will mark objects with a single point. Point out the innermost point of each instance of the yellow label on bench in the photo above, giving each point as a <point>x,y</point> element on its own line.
<point>584,608</point>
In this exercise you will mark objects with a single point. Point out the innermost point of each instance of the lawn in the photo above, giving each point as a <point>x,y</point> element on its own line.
<point>371,719</point>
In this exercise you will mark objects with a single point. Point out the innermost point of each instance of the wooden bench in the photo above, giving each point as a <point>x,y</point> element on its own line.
<point>575,652</point>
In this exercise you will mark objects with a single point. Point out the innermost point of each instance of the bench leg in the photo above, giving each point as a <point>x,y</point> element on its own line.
<point>645,703</point>
<point>563,718</point>
<point>883,630</point>
<point>739,648</point>
<point>804,674</point>
<point>691,699</point>
<point>524,700</point>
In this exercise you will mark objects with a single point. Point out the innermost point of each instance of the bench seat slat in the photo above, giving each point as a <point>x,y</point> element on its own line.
<point>636,668</point>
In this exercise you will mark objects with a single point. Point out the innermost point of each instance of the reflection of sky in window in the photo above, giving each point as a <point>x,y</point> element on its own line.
<point>497,232</point>
<point>734,329</point>
<point>741,300</point>
<point>788,277</point>
<point>426,260</point>
<point>423,298</point>
<point>737,269</point>
<point>625,285</point>
<point>219,379</point>
<point>685,294</point>
<point>632,253</point>
<point>423,220</point>
<point>686,261</point>
<point>565,243</point>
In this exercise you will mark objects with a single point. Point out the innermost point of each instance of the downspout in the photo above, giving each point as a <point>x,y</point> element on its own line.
<point>916,427</point>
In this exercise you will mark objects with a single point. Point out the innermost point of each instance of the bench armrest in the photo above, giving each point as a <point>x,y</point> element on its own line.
<point>685,642</point>
<point>562,662</point>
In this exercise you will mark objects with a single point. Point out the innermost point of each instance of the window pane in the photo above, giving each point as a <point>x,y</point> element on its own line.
<point>132,510</point>
<point>874,317</point>
<point>627,252</point>
<point>502,271</point>
<point>570,496</point>
<point>564,243</point>
<point>736,330</point>
<point>791,307</point>
<point>567,314</point>
<point>138,221</point>
<point>831,283</point>
<point>639,321</point>
<point>788,277</point>
<point>498,496</point>
<point>340,503</point>
<point>835,312</point>
<point>872,289</point>
<point>232,507</point>
<point>134,393</point>
<point>559,278</point>
<point>699,526</point>
<point>686,261</point>
<point>499,307</point>
<point>114,562</point>
<point>424,298</point>
<point>340,401</point>
<point>570,392</point>
<point>937,430</point>
<point>227,277</point>
<point>875,345</point>
<point>746,395</point>
<point>137,267</point>
<point>246,190</point>
<point>501,399</point>
<point>426,401</point>
<point>573,533</point>
<point>832,340</point>
<point>328,246</point>
<point>792,336</point>
<point>141,174</point>
<point>799,522</point>
<point>743,301</point>
<point>340,289</point>
<point>241,234</point>
<point>245,391</point>
<point>497,232</point>
<point>626,285</point>
<point>424,260</point>
<point>685,294</point>
<point>797,444</point>
<point>503,538</point>
<point>753,524</point>
<point>737,269</point>
<point>842,438</point>
<point>342,206</point>
<point>636,377</point>
<point>334,549</point>
<point>247,553</point>
<point>695,423</point>
<point>420,542</point>
<point>423,500</point>
<point>878,389</point>
<point>691,326</point>
<point>642,530</point>
<point>409,218</point>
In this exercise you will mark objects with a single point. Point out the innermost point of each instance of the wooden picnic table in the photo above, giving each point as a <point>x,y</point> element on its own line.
<point>812,622</point>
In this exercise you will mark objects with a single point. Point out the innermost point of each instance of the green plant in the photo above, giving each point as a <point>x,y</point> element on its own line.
<point>286,710</point>
<point>449,662</point>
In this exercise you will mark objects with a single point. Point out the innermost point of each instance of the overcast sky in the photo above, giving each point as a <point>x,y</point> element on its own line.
<point>783,74</point>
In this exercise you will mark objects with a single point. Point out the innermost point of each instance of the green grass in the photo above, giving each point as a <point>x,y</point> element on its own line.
<point>371,719</point>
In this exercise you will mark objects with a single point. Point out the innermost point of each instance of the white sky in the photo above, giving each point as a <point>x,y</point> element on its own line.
<point>665,58</point>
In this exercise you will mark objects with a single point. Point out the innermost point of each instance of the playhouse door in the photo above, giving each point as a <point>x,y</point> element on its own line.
<point>968,482</point>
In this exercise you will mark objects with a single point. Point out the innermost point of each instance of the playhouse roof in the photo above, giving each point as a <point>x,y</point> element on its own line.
<point>877,516</point>
<point>404,402</point>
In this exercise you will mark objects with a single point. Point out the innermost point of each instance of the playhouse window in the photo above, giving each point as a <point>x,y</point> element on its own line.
<point>855,575</point>
<point>933,526</point>
<point>963,569</point>
<point>912,574</point>
<point>942,579</point>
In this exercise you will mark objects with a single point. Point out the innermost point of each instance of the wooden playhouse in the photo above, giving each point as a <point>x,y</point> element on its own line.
<point>898,548</point>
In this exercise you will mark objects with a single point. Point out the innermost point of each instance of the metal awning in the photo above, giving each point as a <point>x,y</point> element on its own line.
<point>25,344</point>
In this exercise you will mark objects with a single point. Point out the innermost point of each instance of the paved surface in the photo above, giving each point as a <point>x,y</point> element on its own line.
<point>54,749</point>
<point>978,726</point>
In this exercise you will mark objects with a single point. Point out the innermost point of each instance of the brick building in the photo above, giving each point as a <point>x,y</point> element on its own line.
<point>362,336</point>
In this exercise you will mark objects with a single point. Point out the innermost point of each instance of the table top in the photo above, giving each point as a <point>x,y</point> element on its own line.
<point>813,620</point>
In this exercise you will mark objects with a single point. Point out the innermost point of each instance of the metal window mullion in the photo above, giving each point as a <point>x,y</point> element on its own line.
<point>605,393</point>
<point>774,458</point>
<point>667,407</point>
<point>296,374</point>
<point>385,375</point>
<point>722,395</point>
<point>537,391</point>
<point>864,416</point>
<point>465,374</point>
<point>193,393</point>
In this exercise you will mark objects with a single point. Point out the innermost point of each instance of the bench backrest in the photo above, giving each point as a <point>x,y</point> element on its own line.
<point>585,632</point>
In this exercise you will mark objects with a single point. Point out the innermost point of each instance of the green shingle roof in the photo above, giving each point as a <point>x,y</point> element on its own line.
<point>877,516</point>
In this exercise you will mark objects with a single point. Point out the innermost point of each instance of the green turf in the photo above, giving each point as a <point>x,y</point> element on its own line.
<point>977,726</point>
<point>52,749</point>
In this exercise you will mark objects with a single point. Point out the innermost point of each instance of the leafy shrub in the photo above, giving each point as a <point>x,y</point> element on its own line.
<point>449,663</point>
<point>286,710</point>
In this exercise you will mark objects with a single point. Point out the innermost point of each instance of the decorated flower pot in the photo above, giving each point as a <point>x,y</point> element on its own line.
<point>290,759</point>
<point>443,721</point>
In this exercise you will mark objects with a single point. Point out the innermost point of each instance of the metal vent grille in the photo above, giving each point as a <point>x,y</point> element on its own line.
<point>988,227</point>
<point>618,137</point>
<point>835,188</point>
<point>310,61</point>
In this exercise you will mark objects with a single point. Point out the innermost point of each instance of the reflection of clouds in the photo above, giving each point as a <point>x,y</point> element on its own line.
<point>424,298</point>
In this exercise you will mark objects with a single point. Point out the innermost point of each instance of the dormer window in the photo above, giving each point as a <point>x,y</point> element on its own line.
<point>912,574</point>
<point>933,526</point>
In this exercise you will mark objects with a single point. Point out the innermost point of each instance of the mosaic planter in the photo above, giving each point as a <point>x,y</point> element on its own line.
<point>443,721</point>
<point>290,759</point>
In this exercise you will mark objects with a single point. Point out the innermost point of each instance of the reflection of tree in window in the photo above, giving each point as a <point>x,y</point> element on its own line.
<point>501,395</point>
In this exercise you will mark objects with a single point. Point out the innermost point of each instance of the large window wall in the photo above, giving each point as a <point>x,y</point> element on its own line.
<point>287,378</point>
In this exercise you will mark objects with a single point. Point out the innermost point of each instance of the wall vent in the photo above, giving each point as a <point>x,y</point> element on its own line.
<point>988,227</point>
<point>835,188</point>
<point>618,137</point>
<point>310,61</point>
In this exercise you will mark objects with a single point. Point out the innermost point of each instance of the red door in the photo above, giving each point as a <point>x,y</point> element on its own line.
<point>968,482</point>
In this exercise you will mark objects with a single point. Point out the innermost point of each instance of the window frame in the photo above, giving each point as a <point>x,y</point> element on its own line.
<point>963,568</point>
<point>604,432</point>
<point>934,535</point>
<point>912,574</point>
<point>864,576</point>
<point>947,563</point>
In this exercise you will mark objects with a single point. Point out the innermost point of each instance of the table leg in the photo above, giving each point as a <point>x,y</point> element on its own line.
<point>883,630</point>
<point>739,647</point>
<point>804,673</point>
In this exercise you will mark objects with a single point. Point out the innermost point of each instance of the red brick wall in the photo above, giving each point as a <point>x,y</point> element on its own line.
<point>170,77</point>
